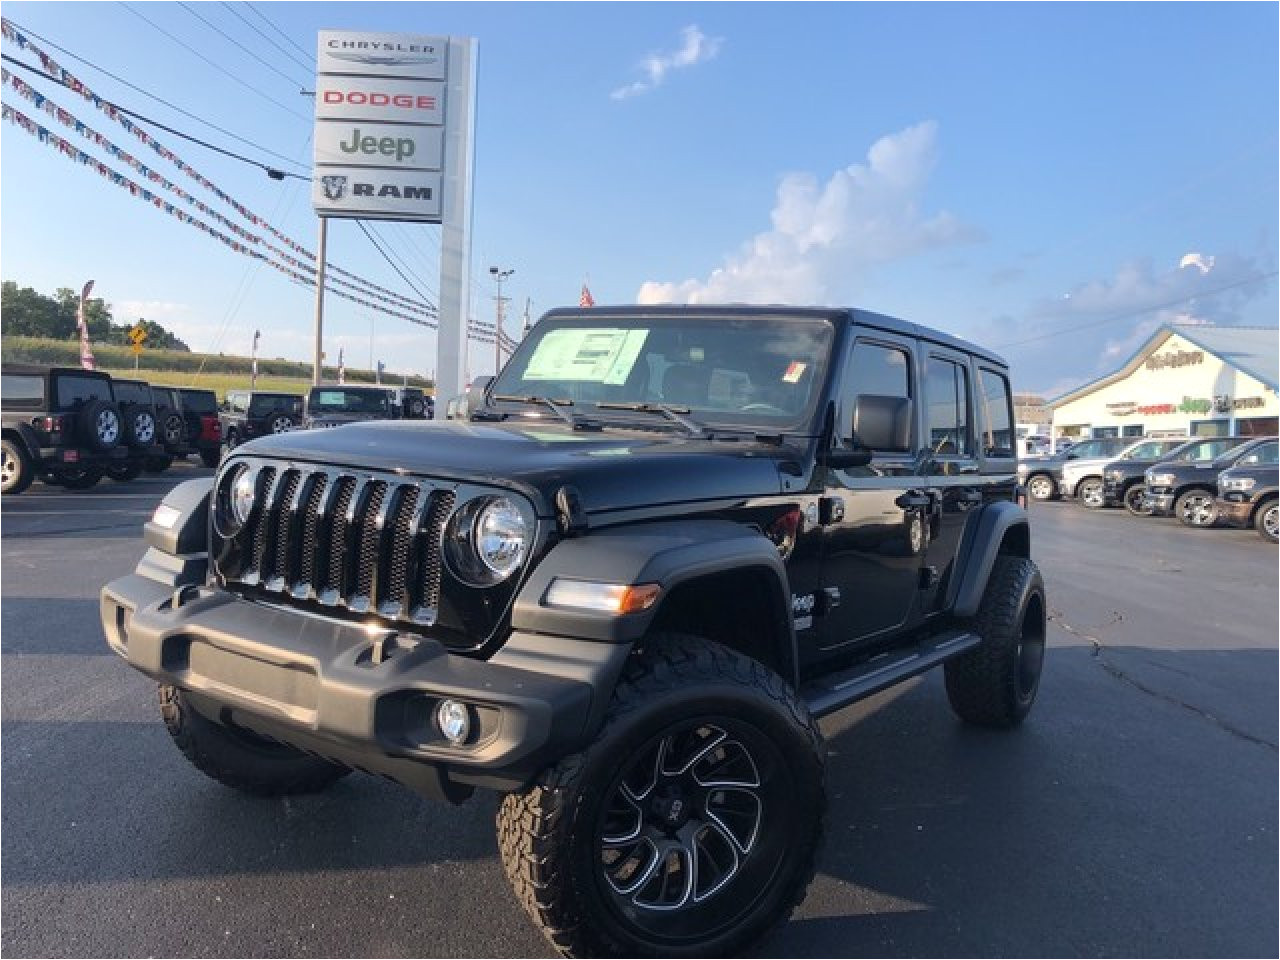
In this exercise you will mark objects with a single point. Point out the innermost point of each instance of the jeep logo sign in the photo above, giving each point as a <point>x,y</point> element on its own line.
<point>375,193</point>
<point>355,143</point>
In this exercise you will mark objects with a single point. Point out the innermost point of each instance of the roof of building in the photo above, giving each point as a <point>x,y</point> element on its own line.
<point>1252,350</point>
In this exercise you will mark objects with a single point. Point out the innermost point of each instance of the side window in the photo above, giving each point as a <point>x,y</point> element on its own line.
<point>947,394</point>
<point>1268,453</point>
<point>997,415</point>
<point>22,388</point>
<point>876,369</point>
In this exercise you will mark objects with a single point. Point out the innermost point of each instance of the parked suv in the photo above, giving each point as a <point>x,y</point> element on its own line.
<point>667,542</point>
<point>60,424</point>
<point>1082,477</point>
<point>334,405</point>
<point>1247,491</point>
<point>202,430</point>
<point>1122,480</point>
<point>256,413</point>
<point>140,428</point>
<point>412,403</point>
<point>1043,475</point>
<point>1187,489</point>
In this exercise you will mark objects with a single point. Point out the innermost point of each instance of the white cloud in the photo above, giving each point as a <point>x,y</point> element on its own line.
<point>696,48</point>
<point>825,235</point>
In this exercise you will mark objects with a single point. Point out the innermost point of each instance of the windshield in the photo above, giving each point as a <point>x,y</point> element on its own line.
<point>337,400</point>
<point>1204,450</point>
<point>1093,448</point>
<point>262,404</point>
<point>1148,450</point>
<point>722,369</point>
<point>199,401</point>
<point>1234,453</point>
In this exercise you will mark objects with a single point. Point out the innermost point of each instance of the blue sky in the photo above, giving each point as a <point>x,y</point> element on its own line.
<point>1027,176</point>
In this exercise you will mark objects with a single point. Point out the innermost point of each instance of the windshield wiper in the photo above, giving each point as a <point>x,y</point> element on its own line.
<point>555,406</point>
<point>668,411</point>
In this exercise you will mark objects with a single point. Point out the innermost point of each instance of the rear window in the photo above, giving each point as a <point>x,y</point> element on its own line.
<point>262,404</point>
<point>21,388</point>
<point>337,400</point>
<point>199,401</point>
<point>73,390</point>
<point>132,392</point>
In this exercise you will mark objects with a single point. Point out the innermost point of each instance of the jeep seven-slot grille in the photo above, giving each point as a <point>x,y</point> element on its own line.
<point>364,543</point>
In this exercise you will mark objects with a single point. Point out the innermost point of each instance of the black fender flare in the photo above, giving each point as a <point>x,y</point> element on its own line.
<point>23,433</point>
<point>977,556</point>
<point>665,553</point>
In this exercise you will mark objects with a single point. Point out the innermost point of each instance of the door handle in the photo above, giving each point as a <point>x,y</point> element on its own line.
<point>913,500</point>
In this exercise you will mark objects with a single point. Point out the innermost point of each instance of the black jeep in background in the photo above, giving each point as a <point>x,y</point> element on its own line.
<point>412,403</point>
<point>668,540</point>
<point>60,425</point>
<point>1187,489</point>
<point>257,413</point>
<point>1247,492</point>
<point>334,405</point>
<point>192,425</point>
<point>140,427</point>
<point>1122,480</point>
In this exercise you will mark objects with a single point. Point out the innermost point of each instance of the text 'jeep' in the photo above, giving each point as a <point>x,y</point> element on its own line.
<point>667,541</point>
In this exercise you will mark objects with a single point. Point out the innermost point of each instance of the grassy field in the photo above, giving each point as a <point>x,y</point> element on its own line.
<point>219,383</point>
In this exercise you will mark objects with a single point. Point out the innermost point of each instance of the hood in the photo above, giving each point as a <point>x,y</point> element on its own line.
<point>611,470</point>
<point>335,419</point>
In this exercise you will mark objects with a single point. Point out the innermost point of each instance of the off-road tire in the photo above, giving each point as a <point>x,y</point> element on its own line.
<point>174,430</point>
<point>138,427</point>
<point>17,471</point>
<point>102,425</point>
<point>281,424</point>
<point>1135,498</point>
<point>1040,486</point>
<point>158,464</point>
<point>995,683</point>
<point>675,686</point>
<point>211,458</point>
<point>1265,520</point>
<point>1091,493</point>
<point>1194,508</point>
<point>240,759</point>
<point>125,472</point>
<point>78,478</point>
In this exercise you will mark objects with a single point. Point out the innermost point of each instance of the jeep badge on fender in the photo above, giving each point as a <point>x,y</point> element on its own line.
<point>622,594</point>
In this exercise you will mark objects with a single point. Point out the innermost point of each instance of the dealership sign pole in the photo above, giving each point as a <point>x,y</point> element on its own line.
<point>395,118</point>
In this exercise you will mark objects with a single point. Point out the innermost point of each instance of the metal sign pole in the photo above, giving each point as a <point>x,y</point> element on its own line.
<point>455,237</point>
<point>317,368</point>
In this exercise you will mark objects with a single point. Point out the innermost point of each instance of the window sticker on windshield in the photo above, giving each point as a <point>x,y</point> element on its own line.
<point>591,355</point>
<point>332,398</point>
<point>795,370</point>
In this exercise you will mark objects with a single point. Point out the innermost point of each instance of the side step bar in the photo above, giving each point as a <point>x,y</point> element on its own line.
<point>838,690</point>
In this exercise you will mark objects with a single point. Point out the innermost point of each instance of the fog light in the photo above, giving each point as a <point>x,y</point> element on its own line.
<point>454,720</point>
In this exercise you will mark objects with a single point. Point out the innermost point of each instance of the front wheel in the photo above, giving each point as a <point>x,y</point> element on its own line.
<point>995,683</point>
<point>1041,487</point>
<point>1195,508</point>
<point>1135,501</point>
<point>239,758</point>
<point>1267,521</point>
<point>1091,493</point>
<point>688,826</point>
<point>16,469</point>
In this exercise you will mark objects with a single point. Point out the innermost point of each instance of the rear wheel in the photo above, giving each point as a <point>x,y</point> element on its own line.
<point>1267,520</point>
<point>1091,493</point>
<point>125,472</point>
<point>16,469</point>
<point>995,684</point>
<point>1040,487</point>
<point>79,478</point>
<point>1195,508</point>
<point>239,758</point>
<point>689,826</point>
<point>1135,501</point>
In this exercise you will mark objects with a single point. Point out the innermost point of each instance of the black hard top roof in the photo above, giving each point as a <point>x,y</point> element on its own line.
<point>266,393</point>
<point>835,315</point>
<point>349,386</point>
<point>169,386</point>
<point>42,369</point>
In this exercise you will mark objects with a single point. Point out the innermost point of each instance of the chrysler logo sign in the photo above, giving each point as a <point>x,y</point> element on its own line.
<point>383,59</point>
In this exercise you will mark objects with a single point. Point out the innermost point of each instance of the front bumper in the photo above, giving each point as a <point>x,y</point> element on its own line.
<point>1112,492</point>
<point>1160,501</point>
<point>1234,512</point>
<point>365,699</point>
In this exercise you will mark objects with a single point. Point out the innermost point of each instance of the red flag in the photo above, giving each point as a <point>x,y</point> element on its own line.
<point>586,300</point>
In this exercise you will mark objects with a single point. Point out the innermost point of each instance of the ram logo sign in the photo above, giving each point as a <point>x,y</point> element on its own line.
<point>378,194</point>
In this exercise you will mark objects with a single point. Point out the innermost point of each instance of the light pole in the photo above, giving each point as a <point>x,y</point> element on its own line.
<point>498,275</point>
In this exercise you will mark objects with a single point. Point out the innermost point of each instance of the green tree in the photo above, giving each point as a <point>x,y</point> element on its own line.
<point>24,312</point>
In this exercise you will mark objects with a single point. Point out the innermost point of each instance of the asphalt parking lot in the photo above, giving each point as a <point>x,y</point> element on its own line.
<point>1134,814</point>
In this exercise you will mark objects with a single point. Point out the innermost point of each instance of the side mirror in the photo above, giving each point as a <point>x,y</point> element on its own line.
<point>882,423</point>
<point>475,393</point>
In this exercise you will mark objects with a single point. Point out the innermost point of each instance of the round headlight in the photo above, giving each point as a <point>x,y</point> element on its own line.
<point>243,487</point>
<point>501,537</point>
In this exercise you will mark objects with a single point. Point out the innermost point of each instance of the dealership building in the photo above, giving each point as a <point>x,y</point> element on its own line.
<point>1186,380</point>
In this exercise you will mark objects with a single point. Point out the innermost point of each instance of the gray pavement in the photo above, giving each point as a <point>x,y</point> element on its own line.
<point>1134,814</point>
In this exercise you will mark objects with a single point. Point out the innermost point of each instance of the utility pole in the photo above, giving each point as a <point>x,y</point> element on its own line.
<point>498,275</point>
<point>317,369</point>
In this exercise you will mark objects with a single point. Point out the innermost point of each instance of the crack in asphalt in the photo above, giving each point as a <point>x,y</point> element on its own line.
<point>1099,649</point>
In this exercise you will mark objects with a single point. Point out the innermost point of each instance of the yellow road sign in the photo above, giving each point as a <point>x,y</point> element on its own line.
<point>137,335</point>
<point>136,347</point>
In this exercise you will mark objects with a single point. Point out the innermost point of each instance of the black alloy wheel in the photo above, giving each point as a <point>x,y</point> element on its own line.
<point>1135,501</point>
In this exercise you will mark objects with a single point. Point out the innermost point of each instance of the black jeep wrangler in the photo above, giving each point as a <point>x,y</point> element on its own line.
<point>333,405</point>
<point>61,425</point>
<point>623,593</point>
<point>140,426</point>
<point>190,425</point>
<point>256,413</point>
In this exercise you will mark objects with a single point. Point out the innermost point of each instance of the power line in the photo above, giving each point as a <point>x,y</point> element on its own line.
<point>147,93</point>
<point>271,172</point>
<point>1137,313</point>
<point>226,36</point>
<point>221,69</point>
<point>309,67</point>
<point>402,261</point>
<point>265,19</point>
<point>377,246</point>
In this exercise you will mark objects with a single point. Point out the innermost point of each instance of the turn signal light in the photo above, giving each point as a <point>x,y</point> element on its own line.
<point>602,597</point>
